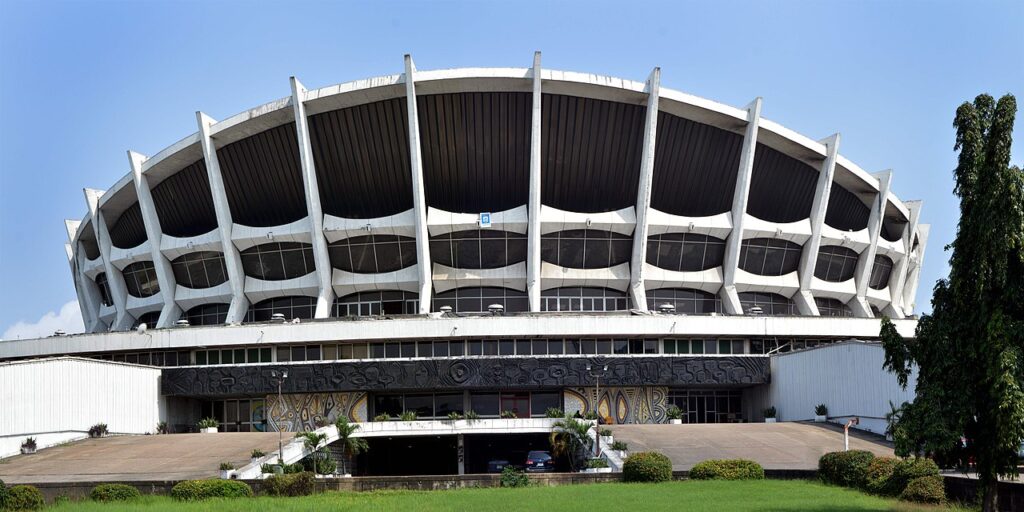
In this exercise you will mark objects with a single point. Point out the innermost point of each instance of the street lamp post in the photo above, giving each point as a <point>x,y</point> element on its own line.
<point>596,374</point>
<point>279,377</point>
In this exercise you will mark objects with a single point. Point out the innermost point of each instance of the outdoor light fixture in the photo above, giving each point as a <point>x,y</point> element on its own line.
<point>182,323</point>
<point>667,308</point>
<point>270,235</point>
<point>596,373</point>
<point>277,318</point>
<point>279,377</point>
<point>496,309</point>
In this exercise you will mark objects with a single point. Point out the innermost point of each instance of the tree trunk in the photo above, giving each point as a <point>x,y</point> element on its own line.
<point>990,500</point>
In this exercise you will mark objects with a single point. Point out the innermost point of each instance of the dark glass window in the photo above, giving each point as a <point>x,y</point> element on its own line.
<point>880,272</point>
<point>376,303</point>
<point>290,307</point>
<point>388,404</point>
<point>835,264</point>
<point>373,254</point>
<point>484,404</point>
<point>770,303</point>
<point>140,279</point>
<point>540,402</point>
<point>207,314</point>
<point>422,405</point>
<point>105,297</point>
<point>447,403</point>
<point>200,269</point>
<point>278,261</point>
<point>769,256</point>
<point>586,248</point>
<point>832,307</point>
<point>685,252</point>
<point>481,248</point>
<point>686,301</point>
<point>575,298</point>
<point>477,300</point>
<point>150,319</point>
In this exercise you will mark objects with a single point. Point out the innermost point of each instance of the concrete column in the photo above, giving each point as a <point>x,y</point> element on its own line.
<point>164,275</point>
<point>232,259</point>
<point>325,298</point>
<point>91,291</point>
<point>730,299</point>
<point>115,280</point>
<point>897,281</point>
<point>76,259</point>
<point>419,196</point>
<point>862,275</point>
<point>533,263</point>
<point>462,454</point>
<point>804,299</point>
<point>914,276</point>
<point>643,195</point>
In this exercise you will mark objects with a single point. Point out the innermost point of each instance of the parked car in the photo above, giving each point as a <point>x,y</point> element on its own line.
<point>539,461</point>
<point>496,466</point>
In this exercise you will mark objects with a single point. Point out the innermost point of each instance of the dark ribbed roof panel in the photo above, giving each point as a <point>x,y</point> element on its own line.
<point>476,150</point>
<point>845,210</point>
<point>263,178</point>
<point>88,241</point>
<point>695,167</point>
<point>361,155</point>
<point>128,230</point>
<point>184,203</point>
<point>781,187</point>
<point>892,230</point>
<point>590,159</point>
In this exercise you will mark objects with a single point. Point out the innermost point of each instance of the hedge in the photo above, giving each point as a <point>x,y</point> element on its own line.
<point>647,467</point>
<point>727,469</point>
<point>23,497</point>
<point>909,469</point>
<point>3,494</point>
<point>291,484</point>
<point>192,490</point>
<point>114,492</point>
<point>849,469</point>
<point>925,489</point>
<point>879,477</point>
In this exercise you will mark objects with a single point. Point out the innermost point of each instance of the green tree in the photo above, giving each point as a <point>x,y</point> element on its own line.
<point>569,438</point>
<point>970,350</point>
<point>312,442</point>
<point>350,446</point>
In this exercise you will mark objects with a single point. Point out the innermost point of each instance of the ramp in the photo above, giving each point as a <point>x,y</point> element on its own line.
<point>779,446</point>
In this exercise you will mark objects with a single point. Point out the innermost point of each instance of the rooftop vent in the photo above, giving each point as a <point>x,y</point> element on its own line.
<point>277,318</point>
<point>182,323</point>
<point>446,310</point>
<point>59,332</point>
<point>496,309</point>
<point>755,310</point>
<point>667,308</point>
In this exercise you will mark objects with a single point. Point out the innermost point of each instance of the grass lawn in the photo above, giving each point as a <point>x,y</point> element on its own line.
<point>781,495</point>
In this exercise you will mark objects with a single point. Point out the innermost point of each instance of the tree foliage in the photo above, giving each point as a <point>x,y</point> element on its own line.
<point>350,445</point>
<point>969,351</point>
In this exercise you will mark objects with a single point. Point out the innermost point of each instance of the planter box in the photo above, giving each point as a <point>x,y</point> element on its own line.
<point>676,422</point>
<point>820,418</point>
<point>27,451</point>
<point>769,420</point>
<point>621,454</point>
<point>597,470</point>
<point>225,474</point>
<point>208,430</point>
<point>607,440</point>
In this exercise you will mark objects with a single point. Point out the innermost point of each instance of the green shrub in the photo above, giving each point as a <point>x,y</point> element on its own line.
<point>290,469</point>
<point>727,469</point>
<point>294,484</point>
<point>326,466</point>
<point>382,417</point>
<point>23,497</point>
<point>554,412</point>
<point>849,469</point>
<point>879,476</point>
<point>925,489</point>
<point>647,467</point>
<point>597,463</point>
<point>909,469</point>
<point>512,477</point>
<point>193,490</point>
<point>114,492</point>
<point>3,494</point>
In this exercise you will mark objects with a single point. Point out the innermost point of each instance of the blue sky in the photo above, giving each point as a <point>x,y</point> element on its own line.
<point>82,82</point>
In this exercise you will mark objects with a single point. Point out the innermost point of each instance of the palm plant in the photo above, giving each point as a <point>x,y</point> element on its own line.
<point>312,442</point>
<point>569,439</point>
<point>350,446</point>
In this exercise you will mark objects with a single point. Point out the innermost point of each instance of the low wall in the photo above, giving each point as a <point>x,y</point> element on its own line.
<point>965,489</point>
<point>80,490</point>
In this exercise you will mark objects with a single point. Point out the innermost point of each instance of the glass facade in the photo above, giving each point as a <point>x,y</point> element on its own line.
<point>832,307</point>
<point>486,404</point>
<point>150,319</point>
<point>377,303</point>
<point>769,256</point>
<point>104,286</point>
<point>373,254</point>
<point>200,269</point>
<point>707,405</point>
<point>685,252</point>
<point>880,272</point>
<point>835,264</point>
<point>481,248</point>
<point>770,303</point>
<point>477,300</point>
<point>586,248</point>
<point>686,301</point>
<point>291,307</point>
<point>239,355</point>
<point>242,415</point>
<point>208,314</point>
<point>278,261</point>
<point>140,279</point>
<point>576,298</point>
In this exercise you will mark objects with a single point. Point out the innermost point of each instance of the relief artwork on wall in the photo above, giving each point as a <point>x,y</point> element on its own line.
<point>309,411</point>
<point>645,404</point>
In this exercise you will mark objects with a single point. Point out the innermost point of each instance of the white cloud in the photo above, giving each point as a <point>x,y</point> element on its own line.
<point>69,319</point>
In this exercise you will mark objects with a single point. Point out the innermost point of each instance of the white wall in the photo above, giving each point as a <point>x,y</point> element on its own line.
<point>847,377</point>
<point>57,400</point>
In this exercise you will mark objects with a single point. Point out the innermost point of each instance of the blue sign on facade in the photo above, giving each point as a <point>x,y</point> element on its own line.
<point>485,219</point>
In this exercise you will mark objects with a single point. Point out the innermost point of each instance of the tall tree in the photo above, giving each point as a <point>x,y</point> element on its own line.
<point>969,351</point>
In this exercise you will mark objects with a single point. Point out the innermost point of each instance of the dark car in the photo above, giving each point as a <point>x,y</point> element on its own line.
<point>539,461</point>
<point>496,466</point>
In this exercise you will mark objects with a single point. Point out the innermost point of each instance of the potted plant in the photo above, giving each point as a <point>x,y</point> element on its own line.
<point>508,415</point>
<point>606,435</point>
<point>208,425</point>
<point>226,468</point>
<point>256,455</point>
<point>28,445</point>
<point>769,414</point>
<point>472,416</point>
<point>597,466</point>
<point>820,413</point>
<point>620,448</point>
<point>408,416</point>
<point>674,414</point>
<point>554,412</point>
<point>98,430</point>
<point>350,445</point>
<point>382,417</point>
<point>162,428</point>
